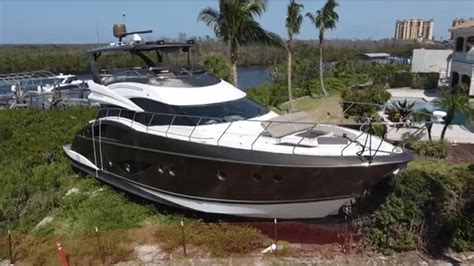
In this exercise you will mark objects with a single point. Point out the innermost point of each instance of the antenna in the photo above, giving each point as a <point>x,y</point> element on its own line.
<point>97,31</point>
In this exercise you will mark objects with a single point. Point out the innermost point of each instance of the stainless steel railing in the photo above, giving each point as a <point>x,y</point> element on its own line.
<point>149,119</point>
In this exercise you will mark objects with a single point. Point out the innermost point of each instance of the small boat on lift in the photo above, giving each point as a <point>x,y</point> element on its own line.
<point>180,136</point>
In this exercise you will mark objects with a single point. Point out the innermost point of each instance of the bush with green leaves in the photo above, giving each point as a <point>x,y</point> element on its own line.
<point>218,65</point>
<point>34,173</point>
<point>372,96</point>
<point>422,81</point>
<point>269,95</point>
<point>421,209</point>
<point>436,149</point>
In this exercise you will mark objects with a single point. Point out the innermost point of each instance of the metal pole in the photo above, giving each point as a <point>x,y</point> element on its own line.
<point>10,247</point>
<point>99,244</point>
<point>184,238</point>
<point>275,234</point>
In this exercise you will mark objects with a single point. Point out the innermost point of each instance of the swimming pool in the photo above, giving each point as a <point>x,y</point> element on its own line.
<point>429,107</point>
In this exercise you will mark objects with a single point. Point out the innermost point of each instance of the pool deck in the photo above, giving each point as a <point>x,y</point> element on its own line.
<point>428,95</point>
<point>454,133</point>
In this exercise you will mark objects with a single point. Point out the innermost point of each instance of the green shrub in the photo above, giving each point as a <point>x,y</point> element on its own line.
<point>269,95</point>
<point>34,173</point>
<point>471,167</point>
<point>372,95</point>
<point>401,79</point>
<point>424,209</point>
<point>436,149</point>
<point>425,81</point>
<point>218,65</point>
<point>420,81</point>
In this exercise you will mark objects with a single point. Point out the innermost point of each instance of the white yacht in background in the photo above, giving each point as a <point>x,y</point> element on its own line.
<point>180,136</point>
<point>40,89</point>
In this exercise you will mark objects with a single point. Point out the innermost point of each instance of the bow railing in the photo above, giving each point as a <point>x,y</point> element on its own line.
<point>189,125</point>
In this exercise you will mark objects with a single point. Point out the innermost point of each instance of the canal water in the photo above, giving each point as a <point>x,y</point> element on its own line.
<point>253,76</point>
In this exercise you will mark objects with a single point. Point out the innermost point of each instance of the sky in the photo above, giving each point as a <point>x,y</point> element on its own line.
<point>88,21</point>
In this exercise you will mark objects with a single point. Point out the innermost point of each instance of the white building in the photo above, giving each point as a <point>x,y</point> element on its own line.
<point>425,61</point>
<point>462,59</point>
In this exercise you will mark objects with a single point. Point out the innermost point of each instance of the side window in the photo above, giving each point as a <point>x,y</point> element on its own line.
<point>113,132</point>
<point>164,113</point>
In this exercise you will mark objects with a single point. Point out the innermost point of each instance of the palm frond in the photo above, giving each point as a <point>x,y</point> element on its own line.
<point>256,7</point>
<point>294,19</point>
<point>312,17</point>
<point>252,32</point>
<point>210,17</point>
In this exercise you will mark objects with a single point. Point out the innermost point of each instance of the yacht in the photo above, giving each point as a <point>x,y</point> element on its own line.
<point>180,136</point>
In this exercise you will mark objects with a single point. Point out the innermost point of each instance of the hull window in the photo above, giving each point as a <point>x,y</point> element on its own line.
<point>161,169</point>
<point>221,175</point>
<point>131,167</point>
<point>277,178</point>
<point>172,171</point>
<point>256,177</point>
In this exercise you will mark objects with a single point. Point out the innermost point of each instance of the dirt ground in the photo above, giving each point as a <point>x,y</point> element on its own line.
<point>461,153</point>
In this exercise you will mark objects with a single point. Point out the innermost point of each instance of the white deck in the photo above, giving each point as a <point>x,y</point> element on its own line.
<point>247,135</point>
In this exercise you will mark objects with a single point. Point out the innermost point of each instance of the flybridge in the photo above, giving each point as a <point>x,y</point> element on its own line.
<point>161,46</point>
<point>137,44</point>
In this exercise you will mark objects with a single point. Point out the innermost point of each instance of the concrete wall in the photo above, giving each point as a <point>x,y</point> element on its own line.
<point>430,61</point>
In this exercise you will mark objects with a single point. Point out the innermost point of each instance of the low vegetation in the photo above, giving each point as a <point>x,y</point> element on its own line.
<point>219,239</point>
<point>421,81</point>
<point>72,58</point>
<point>372,97</point>
<point>427,148</point>
<point>36,182</point>
<point>430,207</point>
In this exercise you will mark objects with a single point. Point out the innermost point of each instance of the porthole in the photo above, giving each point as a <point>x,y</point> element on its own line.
<point>172,171</point>
<point>256,177</point>
<point>127,167</point>
<point>161,169</point>
<point>278,178</point>
<point>221,175</point>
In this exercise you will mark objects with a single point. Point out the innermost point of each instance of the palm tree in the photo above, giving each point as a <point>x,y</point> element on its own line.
<point>324,19</point>
<point>235,24</point>
<point>454,101</point>
<point>294,20</point>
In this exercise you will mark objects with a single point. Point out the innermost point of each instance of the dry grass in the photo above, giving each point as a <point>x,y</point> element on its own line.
<point>118,245</point>
<point>80,250</point>
<point>220,239</point>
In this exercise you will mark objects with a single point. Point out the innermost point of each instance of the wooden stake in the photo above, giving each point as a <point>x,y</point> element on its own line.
<point>99,244</point>
<point>10,247</point>
<point>184,238</point>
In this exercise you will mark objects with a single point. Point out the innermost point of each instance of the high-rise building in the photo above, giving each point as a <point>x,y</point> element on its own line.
<point>414,29</point>
<point>458,21</point>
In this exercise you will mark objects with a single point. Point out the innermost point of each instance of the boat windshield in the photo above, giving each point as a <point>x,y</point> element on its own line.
<point>176,77</point>
<point>240,109</point>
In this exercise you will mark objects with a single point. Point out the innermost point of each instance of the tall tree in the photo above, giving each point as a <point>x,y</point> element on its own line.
<point>234,23</point>
<point>294,20</point>
<point>454,100</point>
<point>324,19</point>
